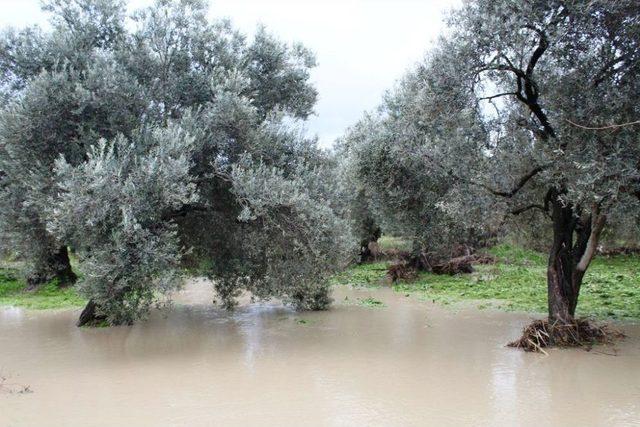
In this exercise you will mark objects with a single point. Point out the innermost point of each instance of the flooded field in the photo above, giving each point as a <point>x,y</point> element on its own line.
<point>404,363</point>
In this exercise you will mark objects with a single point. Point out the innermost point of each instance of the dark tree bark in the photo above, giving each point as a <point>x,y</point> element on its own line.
<point>562,291</point>
<point>89,316</point>
<point>569,259</point>
<point>56,266</point>
<point>366,254</point>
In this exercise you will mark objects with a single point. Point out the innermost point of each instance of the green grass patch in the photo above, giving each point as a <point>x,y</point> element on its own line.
<point>370,275</point>
<point>13,292</point>
<point>368,302</point>
<point>371,302</point>
<point>517,282</point>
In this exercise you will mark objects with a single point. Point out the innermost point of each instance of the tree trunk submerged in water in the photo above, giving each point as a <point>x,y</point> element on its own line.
<point>569,260</point>
<point>89,315</point>
<point>56,266</point>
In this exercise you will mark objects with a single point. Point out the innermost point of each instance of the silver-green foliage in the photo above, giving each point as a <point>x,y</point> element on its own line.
<point>544,72</point>
<point>292,236</point>
<point>113,208</point>
<point>58,113</point>
<point>170,129</point>
<point>499,112</point>
<point>393,160</point>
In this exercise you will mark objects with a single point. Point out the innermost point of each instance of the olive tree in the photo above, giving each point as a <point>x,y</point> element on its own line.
<point>531,107</point>
<point>354,201</point>
<point>172,143</point>
<point>393,155</point>
<point>59,112</point>
<point>560,81</point>
<point>239,99</point>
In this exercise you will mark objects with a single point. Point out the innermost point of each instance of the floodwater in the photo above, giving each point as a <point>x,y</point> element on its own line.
<point>409,363</point>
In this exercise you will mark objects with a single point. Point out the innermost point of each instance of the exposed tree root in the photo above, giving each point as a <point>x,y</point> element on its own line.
<point>580,333</point>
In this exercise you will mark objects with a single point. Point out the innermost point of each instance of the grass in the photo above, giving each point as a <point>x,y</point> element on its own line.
<point>13,292</point>
<point>611,288</point>
<point>371,303</point>
<point>369,275</point>
<point>517,282</point>
<point>389,242</point>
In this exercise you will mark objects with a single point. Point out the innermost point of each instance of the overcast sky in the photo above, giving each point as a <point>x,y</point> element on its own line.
<point>362,46</point>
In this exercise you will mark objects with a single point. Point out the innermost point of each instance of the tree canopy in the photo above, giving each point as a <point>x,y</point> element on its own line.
<point>167,144</point>
<point>523,108</point>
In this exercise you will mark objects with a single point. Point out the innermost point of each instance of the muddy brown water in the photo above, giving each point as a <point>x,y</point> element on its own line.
<point>409,363</point>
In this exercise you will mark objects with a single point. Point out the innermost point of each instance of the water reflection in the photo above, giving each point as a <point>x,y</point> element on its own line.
<point>11,315</point>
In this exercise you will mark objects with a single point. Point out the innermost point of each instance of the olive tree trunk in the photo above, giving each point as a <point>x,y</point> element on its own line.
<point>90,316</point>
<point>56,266</point>
<point>570,257</point>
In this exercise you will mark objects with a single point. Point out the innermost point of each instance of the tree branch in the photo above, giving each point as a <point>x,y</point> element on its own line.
<point>507,194</point>
<point>598,221</point>
<point>614,126</point>
<point>526,82</point>
<point>521,183</point>
<point>524,209</point>
<point>609,69</point>
<point>497,95</point>
<point>543,44</point>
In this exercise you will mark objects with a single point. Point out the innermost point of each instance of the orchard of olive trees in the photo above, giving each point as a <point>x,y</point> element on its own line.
<point>525,112</point>
<point>249,212</point>
<point>151,146</point>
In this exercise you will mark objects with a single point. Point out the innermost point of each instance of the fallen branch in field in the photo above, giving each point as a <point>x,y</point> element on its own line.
<point>461,265</point>
<point>407,268</point>
<point>401,270</point>
<point>619,251</point>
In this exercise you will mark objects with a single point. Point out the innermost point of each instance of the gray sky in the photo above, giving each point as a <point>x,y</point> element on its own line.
<point>362,46</point>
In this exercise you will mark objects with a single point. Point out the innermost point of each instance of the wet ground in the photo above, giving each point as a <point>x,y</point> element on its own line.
<point>408,363</point>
